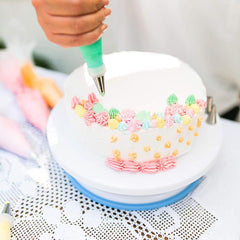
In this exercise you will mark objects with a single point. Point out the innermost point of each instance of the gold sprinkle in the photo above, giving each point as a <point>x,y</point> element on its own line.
<point>190,128</point>
<point>201,118</point>
<point>132,156</point>
<point>147,148</point>
<point>158,138</point>
<point>116,154</point>
<point>134,138</point>
<point>199,123</point>
<point>181,139</point>
<point>195,134</point>
<point>175,152</point>
<point>157,155</point>
<point>179,130</point>
<point>168,144</point>
<point>188,143</point>
<point>113,139</point>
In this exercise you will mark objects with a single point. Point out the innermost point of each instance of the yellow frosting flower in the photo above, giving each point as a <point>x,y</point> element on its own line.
<point>195,107</point>
<point>186,119</point>
<point>113,123</point>
<point>80,111</point>
<point>160,122</point>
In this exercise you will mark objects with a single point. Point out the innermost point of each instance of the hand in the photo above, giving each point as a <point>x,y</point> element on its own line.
<point>72,23</point>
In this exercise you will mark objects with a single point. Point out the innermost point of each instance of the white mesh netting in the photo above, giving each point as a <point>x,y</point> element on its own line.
<point>47,207</point>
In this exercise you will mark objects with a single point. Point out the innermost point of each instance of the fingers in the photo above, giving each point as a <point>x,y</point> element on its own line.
<point>76,40</point>
<point>71,23</point>
<point>75,25</point>
<point>70,7</point>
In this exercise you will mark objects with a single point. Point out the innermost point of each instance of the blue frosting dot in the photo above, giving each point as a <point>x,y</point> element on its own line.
<point>177,118</point>
<point>122,126</point>
<point>146,124</point>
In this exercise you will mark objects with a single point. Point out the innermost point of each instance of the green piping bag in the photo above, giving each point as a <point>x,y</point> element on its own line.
<point>92,55</point>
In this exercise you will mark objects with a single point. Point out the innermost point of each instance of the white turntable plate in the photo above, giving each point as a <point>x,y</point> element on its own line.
<point>91,171</point>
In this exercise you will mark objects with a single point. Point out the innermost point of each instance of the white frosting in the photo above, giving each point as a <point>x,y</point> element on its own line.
<point>136,81</point>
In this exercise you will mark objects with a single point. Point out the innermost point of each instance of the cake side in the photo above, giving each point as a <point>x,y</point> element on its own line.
<point>138,139</point>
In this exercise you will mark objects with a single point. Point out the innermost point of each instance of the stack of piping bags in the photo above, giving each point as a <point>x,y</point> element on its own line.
<point>29,100</point>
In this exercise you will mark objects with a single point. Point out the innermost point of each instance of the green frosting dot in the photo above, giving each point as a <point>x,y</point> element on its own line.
<point>98,107</point>
<point>190,100</point>
<point>172,99</point>
<point>143,116</point>
<point>113,112</point>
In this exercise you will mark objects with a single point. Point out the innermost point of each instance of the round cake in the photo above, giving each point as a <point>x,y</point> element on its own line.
<point>151,113</point>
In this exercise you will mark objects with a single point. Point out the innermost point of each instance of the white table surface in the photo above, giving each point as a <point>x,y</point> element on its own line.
<point>219,193</point>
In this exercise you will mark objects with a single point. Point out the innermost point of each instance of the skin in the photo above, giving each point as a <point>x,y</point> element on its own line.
<point>72,23</point>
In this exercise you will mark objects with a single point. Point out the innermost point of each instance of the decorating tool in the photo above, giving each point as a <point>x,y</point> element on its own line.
<point>212,116</point>
<point>209,104</point>
<point>92,55</point>
<point>6,221</point>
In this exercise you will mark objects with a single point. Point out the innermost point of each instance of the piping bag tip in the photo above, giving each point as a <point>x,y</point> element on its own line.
<point>6,209</point>
<point>100,84</point>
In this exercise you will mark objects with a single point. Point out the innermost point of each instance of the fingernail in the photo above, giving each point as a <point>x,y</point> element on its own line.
<point>105,2</point>
<point>104,27</point>
<point>107,12</point>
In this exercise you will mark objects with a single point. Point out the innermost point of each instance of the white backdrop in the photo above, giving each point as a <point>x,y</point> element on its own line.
<point>204,33</point>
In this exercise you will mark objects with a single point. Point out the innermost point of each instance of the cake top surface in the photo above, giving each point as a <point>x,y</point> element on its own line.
<point>138,81</point>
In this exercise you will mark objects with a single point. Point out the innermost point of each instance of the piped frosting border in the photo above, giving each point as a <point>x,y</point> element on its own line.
<point>93,112</point>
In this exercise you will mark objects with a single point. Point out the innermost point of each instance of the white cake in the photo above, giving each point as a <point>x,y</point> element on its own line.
<point>150,115</point>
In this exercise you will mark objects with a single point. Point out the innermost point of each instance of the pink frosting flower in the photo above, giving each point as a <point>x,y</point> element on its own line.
<point>75,101</point>
<point>174,109</point>
<point>189,112</point>
<point>153,123</point>
<point>127,115</point>
<point>201,103</point>
<point>89,118</point>
<point>134,125</point>
<point>169,121</point>
<point>92,98</point>
<point>88,105</point>
<point>102,118</point>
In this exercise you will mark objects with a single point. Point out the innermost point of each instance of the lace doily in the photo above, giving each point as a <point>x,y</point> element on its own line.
<point>47,207</point>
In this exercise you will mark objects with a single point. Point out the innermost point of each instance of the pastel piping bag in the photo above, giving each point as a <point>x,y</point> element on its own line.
<point>34,107</point>
<point>13,140</point>
<point>6,221</point>
<point>46,86</point>
<point>92,55</point>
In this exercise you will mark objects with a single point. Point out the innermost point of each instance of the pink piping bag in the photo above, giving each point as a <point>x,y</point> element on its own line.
<point>33,107</point>
<point>12,138</point>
